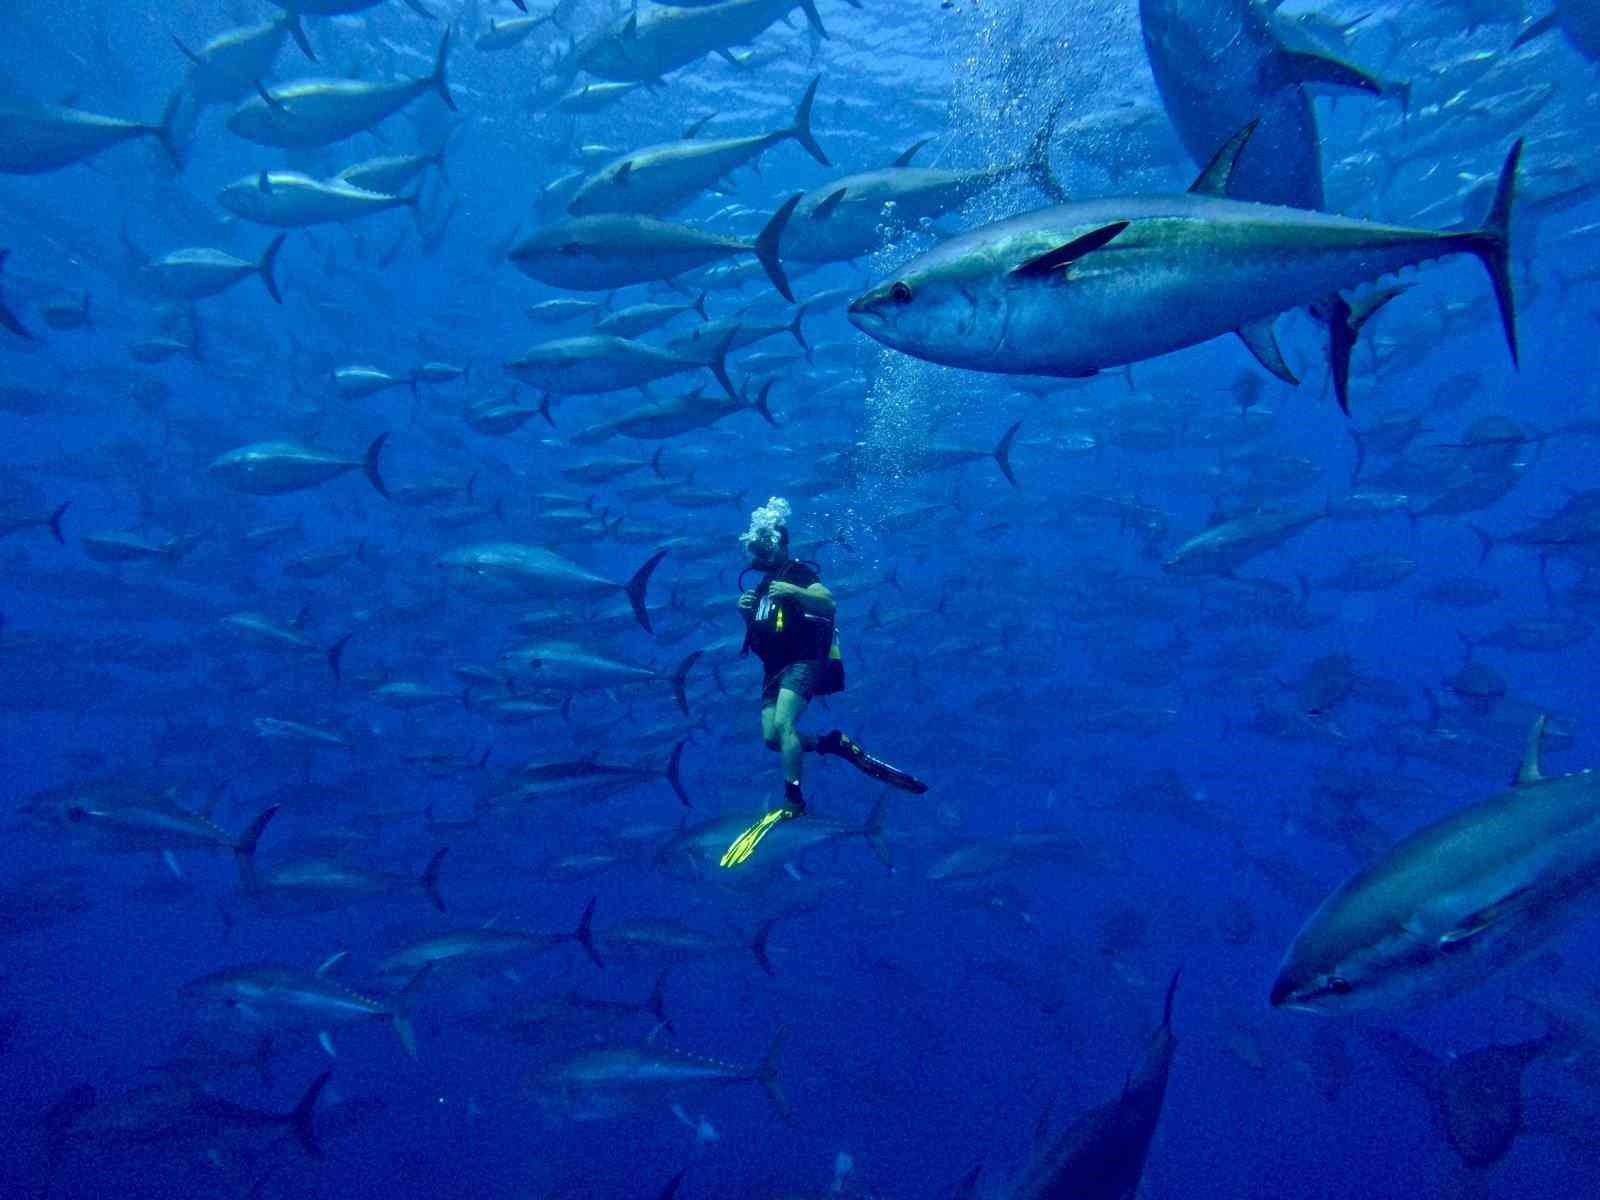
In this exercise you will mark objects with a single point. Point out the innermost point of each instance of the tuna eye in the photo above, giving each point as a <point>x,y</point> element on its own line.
<point>1338,986</point>
<point>900,293</point>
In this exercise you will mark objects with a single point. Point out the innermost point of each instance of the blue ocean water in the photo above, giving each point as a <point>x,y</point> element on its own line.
<point>1132,770</point>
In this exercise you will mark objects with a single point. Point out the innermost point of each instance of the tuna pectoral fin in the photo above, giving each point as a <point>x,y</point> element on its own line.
<point>417,7</point>
<point>766,246</point>
<point>1263,343</point>
<point>1046,265</point>
<point>1482,921</point>
<point>300,1118</point>
<point>1290,67</point>
<point>637,585</point>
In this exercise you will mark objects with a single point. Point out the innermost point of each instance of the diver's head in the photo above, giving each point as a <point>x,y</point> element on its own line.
<point>767,539</point>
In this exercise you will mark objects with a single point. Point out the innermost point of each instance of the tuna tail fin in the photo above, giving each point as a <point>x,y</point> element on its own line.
<point>430,878</point>
<point>759,945</point>
<point>761,405</point>
<point>719,363</point>
<point>244,850</point>
<point>656,1005</point>
<point>300,1118</point>
<point>417,7</point>
<point>675,772</point>
<point>400,1010</point>
<point>873,832</point>
<point>269,260</point>
<point>166,131</point>
<point>298,31</point>
<point>815,18</point>
<point>336,654</point>
<point>438,81</point>
<point>1492,245</point>
<point>801,130</point>
<point>369,464</point>
<point>55,522</point>
<point>1539,28</point>
<point>798,333</point>
<point>680,677</point>
<point>7,317</point>
<point>700,306</point>
<point>636,586</point>
<point>584,934</point>
<point>766,246</point>
<point>767,1074</point>
<point>1002,453</point>
<point>1037,164</point>
<point>1166,1009</point>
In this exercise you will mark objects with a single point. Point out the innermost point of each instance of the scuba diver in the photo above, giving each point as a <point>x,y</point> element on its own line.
<point>789,624</point>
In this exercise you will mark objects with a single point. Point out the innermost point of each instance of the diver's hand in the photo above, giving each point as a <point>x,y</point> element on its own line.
<point>747,601</point>
<point>780,589</point>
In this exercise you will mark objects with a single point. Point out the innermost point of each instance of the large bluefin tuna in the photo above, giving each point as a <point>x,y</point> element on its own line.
<point>1453,902</point>
<point>1074,289</point>
<point>1219,65</point>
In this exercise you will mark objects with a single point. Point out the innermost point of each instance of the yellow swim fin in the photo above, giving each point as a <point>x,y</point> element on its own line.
<point>745,844</point>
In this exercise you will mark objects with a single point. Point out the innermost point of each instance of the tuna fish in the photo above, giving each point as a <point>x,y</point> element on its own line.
<point>1453,902</point>
<point>1072,290</point>
<point>319,112</point>
<point>663,177</point>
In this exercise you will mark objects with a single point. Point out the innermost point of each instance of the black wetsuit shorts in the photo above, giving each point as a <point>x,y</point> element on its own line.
<point>802,678</point>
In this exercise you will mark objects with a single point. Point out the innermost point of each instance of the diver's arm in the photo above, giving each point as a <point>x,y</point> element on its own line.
<point>816,599</point>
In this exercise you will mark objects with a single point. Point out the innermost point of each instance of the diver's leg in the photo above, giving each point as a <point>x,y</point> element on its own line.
<point>789,707</point>
<point>769,725</point>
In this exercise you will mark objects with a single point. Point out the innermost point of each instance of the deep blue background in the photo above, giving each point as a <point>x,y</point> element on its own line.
<point>906,1051</point>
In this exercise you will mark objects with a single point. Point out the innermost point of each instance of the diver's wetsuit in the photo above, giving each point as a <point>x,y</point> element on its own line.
<point>791,643</point>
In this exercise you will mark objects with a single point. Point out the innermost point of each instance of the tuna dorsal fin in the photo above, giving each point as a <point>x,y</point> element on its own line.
<point>625,170</point>
<point>1263,343</point>
<point>1044,265</point>
<point>829,202</point>
<point>693,130</point>
<point>910,152</point>
<point>264,184</point>
<point>1529,772</point>
<point>1218,173</point>
<point>630,28</point>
